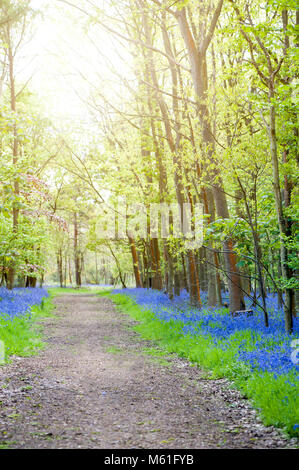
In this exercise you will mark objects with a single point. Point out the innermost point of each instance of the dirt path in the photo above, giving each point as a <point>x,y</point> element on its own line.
<point>97,386</point>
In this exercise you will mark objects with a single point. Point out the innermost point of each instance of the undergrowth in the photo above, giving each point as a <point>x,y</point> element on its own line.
<point>22,335</point>
<point>275,397</point>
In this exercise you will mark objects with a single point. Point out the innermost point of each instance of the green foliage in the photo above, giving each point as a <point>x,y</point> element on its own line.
<point>22,336</point>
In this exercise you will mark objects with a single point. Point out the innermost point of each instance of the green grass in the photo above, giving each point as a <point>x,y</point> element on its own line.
<point>56,291</point>
<point>104,292</point>
<point>275,399</point>
<point>23,336</point>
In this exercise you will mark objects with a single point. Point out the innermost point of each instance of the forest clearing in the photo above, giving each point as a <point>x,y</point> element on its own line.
<point>149,289</point>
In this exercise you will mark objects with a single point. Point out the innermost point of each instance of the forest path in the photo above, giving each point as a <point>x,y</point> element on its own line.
<point>97,386</point>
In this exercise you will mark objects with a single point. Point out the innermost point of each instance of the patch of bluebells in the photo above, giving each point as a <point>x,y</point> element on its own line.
<point>268,348</point>
<point>18,301</point>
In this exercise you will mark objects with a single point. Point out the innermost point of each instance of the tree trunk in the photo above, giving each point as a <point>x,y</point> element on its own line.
<point>288,302</point>
<point>59,267</point>
<point>135,262</point>
<point>15,210</point>
<point>195,298</point>
<point>197,58</point>
<point>76,252</point>
<point>177,282</point>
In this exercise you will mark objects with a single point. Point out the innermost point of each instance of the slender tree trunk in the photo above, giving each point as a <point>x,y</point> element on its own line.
<point>195,298</point>
<point>120,275</point>
<point>59,267</point>
<point>65,269</point>
<point>211,266</point>
<point>135,262</point>
<point>96,268</point>
<point>70,270</point>
<point>289,224</point>
<point>15,210</point>
<point>218,281</point>
<point>177,282</point>
<point>203,269</point>
<point>257,253</point>
<point>185,280</point>
<point>76,252</point>
<point>288,301</point>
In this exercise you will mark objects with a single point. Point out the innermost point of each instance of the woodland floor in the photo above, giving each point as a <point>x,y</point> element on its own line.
<point>96,386</point>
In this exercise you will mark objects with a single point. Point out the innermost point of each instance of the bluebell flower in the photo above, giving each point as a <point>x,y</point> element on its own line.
<point>268,349</point>
<point>18,301</point>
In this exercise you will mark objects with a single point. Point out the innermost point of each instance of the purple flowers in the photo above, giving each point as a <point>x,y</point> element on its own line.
<point>18,302</point>
<point>264,349</point>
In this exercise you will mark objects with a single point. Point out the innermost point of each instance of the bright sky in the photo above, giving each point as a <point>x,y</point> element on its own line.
<point>58,56</point>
